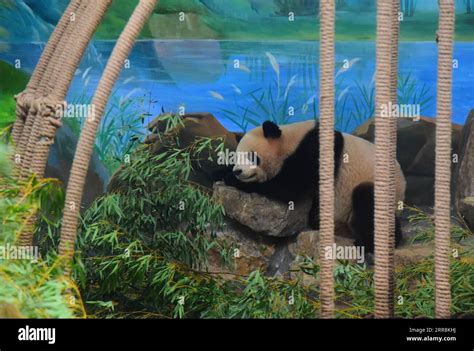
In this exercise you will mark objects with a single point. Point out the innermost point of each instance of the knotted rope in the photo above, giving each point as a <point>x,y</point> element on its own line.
<point>326,155</point>
<point>86,141</point>
<point>443,159</point>
<point>72,58</point>
<point>43,119</point>
<point>47,87</point>
<point>24,98</point>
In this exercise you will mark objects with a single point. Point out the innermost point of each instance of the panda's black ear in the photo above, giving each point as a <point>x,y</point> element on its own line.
<point>271,130</point>
<point>238,136</point>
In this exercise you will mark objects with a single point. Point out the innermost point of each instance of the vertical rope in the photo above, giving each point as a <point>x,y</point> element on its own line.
<point>443,159</point>
<point>326,154</point>
<point>384,214</point>
<point>393,147</point>
<point>86,140</point>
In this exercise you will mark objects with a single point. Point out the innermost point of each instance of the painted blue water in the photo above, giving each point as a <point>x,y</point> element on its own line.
<point>231,79</point>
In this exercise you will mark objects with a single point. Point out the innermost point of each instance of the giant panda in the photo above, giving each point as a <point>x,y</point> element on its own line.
<point>285,167</point>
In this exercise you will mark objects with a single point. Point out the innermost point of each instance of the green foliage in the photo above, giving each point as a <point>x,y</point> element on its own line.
<point>144,250</point>
<point>32,287</point>
<point>7,111</point>
<point>459,232</point>
<point>122,126</point>
<point>414,291</point>
<point>156,215</point>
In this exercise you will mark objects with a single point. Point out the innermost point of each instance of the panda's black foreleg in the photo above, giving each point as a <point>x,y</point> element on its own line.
<point>313,219</point>
<point>362,219</point>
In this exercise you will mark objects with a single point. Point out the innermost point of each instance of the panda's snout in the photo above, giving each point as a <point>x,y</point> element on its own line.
<point>237,171</point>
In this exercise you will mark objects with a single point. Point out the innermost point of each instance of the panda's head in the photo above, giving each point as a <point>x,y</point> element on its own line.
<point>262,152</point>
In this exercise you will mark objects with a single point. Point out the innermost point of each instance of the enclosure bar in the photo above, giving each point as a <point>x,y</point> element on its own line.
<point>384,209</point>
<point>393,146</point>
<point>326,154</point>
<point>86,140</point>
<point>23,99</point>
<point>443,159</point>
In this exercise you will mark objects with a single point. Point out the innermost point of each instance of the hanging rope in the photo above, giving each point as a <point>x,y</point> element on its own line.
<point>86,141</point>
<point>72,58</point>
<point>443,159</point>
<point>44,102</point>
<point>44,121</point>
<point>326,154</point>
<point>385,127</point>
<point>23,99</point>
<point>34,95</point>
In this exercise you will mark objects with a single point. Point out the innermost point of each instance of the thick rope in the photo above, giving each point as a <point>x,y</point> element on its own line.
<point>86,141</point>
<point>393,147</point>
<point>326,155</point>
<point>42,84</point>
<point>47,121</point>
<point>33,124</point>
<point>44,137</point>
<point>384,214</point>
<point>24,98</point>
<point>443,159</point>
<point>55,69</point>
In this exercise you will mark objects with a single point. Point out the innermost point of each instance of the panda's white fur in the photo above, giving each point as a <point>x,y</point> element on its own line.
<point>356,167</point>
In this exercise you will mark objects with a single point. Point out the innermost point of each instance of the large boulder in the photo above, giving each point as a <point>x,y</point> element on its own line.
<point>262,215</point>
<point>60,162</point>
<point>416,141</point>
<point>464,175</point>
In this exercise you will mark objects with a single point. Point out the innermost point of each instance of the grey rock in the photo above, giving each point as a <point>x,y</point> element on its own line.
<point>416,142</point>
<point>464,175</point>
<point>261,214</point>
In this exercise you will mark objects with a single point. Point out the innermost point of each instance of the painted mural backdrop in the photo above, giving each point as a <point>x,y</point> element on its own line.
<point>247,60</point>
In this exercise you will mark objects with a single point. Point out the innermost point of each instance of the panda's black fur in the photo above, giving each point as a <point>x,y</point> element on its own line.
<point>298,179</point>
